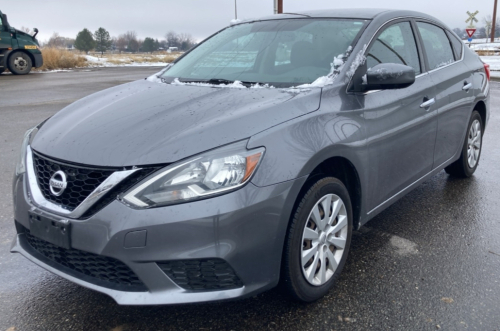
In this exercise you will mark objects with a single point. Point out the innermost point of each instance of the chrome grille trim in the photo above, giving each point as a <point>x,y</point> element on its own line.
<point>38,198</point>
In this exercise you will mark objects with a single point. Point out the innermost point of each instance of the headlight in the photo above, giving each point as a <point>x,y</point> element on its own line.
<point>209,174</point>
<point>21,163</point>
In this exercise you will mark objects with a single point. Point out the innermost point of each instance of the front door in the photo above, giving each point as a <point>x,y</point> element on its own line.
<point>5,36</point>
<point>401,124</point>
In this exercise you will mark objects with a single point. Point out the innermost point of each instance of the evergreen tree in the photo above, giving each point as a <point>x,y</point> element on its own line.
<point>149,45</point>
<point>84,41</point>
<point>102,40</point>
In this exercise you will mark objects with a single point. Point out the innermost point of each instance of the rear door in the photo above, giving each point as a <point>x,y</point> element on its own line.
<point>401,132</point>
<point>454,89</point>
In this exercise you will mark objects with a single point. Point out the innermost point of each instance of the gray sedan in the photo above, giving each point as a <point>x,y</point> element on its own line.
<point>251,159</point>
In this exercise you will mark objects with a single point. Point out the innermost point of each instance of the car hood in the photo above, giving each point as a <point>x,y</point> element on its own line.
<point>142,122</point>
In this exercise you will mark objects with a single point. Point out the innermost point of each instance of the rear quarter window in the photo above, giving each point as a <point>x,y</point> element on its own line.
<point>457,45</point>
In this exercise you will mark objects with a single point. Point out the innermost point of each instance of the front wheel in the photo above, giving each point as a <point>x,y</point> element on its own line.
<point>467,164</point>
<point>20,63</point>
<point>318,240</point>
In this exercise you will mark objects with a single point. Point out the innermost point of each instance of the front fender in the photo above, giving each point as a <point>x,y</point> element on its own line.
<point>295,148</point>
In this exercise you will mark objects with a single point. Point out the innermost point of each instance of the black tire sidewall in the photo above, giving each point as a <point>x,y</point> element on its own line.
<point>11,63</point>
<point>299,285</point>
<point>465,164</point>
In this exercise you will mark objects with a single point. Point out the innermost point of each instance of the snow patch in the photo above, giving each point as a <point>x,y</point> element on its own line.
<point>235,21</point>
<point>493,61</point>
<point>359,60</point>
<point>336,67</point>
<point>156,77</point>
<point>235,84</point>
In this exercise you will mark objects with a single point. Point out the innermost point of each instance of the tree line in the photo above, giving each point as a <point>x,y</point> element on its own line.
<point>101,41</point>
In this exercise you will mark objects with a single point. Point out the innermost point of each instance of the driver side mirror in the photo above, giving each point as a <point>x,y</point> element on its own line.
<point>389,76</point>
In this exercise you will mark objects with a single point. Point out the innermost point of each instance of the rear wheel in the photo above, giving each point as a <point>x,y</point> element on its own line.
<point>20,63</point>
<point>318,240</point>
<point>467,164</point>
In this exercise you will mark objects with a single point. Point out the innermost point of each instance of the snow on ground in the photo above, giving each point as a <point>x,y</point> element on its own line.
<point>493,61</point>
<point>103,62</point>
<point>495,74</point>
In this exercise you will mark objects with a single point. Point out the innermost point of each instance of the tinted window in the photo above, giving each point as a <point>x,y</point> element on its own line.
<point>281,53</point>
<point>396,44</point>
<point>457,45</point>
<point>437,45</point>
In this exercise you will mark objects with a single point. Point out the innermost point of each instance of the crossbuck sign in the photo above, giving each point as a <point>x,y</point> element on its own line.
<point>472,18</point>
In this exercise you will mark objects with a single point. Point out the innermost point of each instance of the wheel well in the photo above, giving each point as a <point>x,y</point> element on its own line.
<point>343,170</point>
<point>22,51</point>
<point>481,108</point>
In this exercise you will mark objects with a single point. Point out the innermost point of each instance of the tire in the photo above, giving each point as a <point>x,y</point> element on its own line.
<point>465,167</point>
<point>20,63</point>
<point>297,243</point>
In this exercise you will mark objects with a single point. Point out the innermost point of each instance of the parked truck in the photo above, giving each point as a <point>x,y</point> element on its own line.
<point>19,51</point>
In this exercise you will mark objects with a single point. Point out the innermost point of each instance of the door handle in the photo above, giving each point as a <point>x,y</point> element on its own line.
<point>428,103</point>
<point>467,87</point>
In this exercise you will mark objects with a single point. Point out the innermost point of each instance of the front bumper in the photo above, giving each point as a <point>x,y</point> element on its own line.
<point>38,60</point>
<point>245,228</point>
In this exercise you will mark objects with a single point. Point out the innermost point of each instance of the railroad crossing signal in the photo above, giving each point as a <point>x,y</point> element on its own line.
<point>472,18</point>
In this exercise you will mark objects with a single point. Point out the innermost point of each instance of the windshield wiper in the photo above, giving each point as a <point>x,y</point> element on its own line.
<point>214,81</point>
<point>219,81</point>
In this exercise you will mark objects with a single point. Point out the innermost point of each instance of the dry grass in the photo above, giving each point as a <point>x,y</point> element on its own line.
<point>54,58</point>
<point>141,58</point>
<point>487,52</point>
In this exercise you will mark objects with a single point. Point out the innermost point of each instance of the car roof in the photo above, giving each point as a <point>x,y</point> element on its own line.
<point>360,13</point>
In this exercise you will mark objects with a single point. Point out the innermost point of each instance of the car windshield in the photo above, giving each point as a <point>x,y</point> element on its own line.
<point>280,53</point>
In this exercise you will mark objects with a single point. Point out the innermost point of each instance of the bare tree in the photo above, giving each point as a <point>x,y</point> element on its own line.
<point>27,30</point>
<point>57,41</point>
<point>121,43</point>
<point>172,39</point>
<point>487,25</point>
<point>130,35</point>
<point>183,41</point>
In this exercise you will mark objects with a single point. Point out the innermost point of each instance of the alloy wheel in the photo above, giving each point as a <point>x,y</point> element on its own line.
<point>474,144</point>
<point>324,239</point>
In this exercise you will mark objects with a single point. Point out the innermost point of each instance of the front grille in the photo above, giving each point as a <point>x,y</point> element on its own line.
<point>96,269</point>
<point>202,275</point>
<point>81,181</point>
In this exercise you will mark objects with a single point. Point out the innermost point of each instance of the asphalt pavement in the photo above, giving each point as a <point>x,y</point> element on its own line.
<point>429,262</point>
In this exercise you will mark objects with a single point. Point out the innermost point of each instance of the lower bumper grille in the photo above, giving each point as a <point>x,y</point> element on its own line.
<point>202,275</point>
<point>96,269</point>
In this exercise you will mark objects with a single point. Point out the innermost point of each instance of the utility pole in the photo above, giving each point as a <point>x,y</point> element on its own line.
<point>235,10</point>
<point>278,6</point>
<point>494,22</point>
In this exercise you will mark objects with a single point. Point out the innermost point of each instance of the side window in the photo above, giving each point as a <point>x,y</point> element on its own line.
<point>457,45</point>
<point>437,45</point>
<point>396,44</point>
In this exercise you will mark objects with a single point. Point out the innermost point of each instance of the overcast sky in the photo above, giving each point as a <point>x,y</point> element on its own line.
<point>200,18</point>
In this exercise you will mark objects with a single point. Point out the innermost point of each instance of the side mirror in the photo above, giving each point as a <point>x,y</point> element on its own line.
<point>389,76</point>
